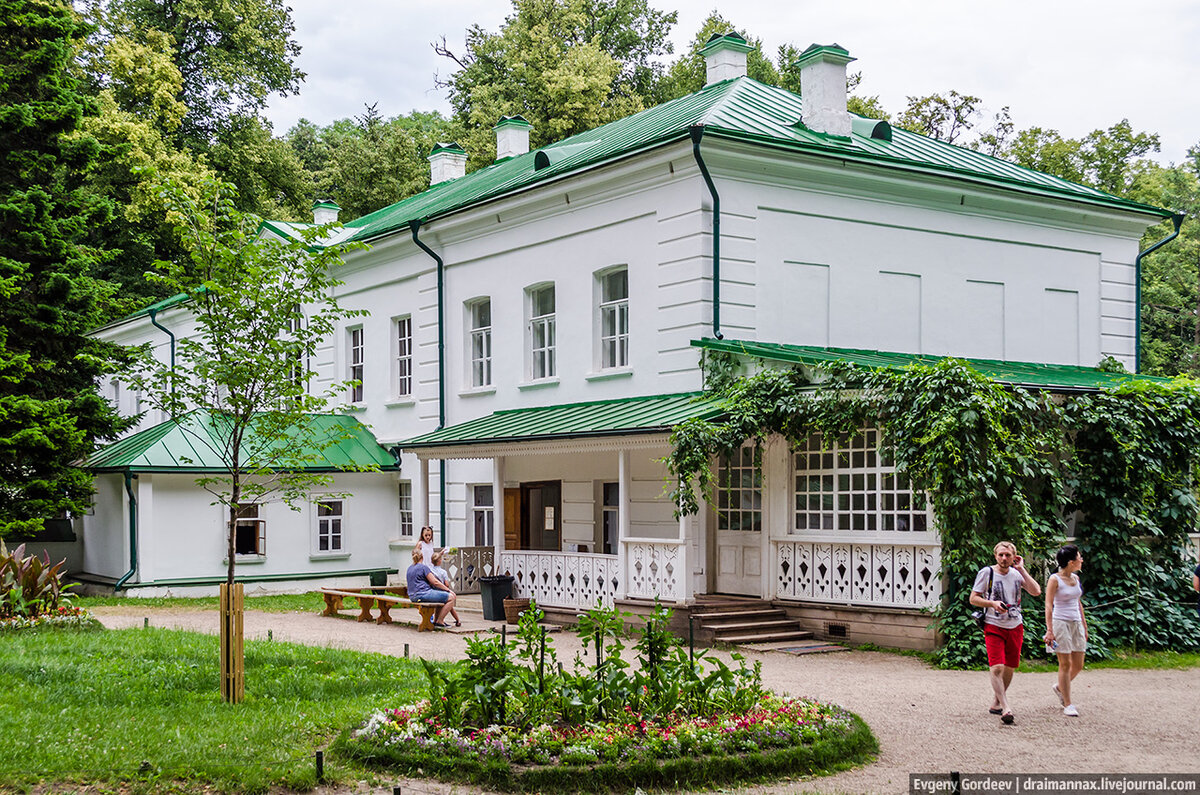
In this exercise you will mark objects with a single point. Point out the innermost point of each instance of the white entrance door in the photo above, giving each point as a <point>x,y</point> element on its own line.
<point>739,525</point>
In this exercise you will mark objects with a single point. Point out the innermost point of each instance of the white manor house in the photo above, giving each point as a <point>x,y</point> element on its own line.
<point>536,329</point>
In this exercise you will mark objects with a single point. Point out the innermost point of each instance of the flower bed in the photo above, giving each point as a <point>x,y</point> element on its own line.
<point>61,617</point>
<point>683,718</point>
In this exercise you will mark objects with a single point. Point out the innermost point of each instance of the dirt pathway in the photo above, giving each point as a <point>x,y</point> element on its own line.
<point>927,720</point>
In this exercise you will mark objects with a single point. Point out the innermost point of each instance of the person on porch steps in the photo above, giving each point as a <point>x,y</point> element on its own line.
<point>997,590</point>
<point>424,586</point>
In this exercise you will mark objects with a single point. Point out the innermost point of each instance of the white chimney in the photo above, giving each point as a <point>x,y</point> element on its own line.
<point>446,162</point>
<point>725,57</point>
<point>325,211</point>
<point>512,136</point>
<point>823,89</point>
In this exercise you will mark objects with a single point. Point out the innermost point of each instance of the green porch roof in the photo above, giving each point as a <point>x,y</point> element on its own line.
<point>653,414</point>
<point>191,444</point>
<point>1054,377</point>
<point>741,108</point>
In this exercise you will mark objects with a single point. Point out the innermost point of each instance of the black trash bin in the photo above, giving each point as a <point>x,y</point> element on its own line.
<point>493,591</point>
<point>378,579</point>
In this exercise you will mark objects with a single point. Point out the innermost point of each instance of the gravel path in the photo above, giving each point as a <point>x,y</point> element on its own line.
<point>927,720</point>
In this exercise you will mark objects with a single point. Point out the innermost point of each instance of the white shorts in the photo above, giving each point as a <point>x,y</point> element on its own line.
<point>1069,636</point>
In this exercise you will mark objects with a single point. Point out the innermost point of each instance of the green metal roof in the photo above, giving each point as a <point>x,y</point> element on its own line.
<point>741,108</point>
<point>656,413</point>
<point>1054,377</point>
<point>192,444</point>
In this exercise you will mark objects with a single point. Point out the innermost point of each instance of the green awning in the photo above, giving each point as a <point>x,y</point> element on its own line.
<point>1053,377</point>
<point>192,444</point>
<point>627,416</point>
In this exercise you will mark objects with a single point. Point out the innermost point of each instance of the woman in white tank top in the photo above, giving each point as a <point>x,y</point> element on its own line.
<point>1066,626</point>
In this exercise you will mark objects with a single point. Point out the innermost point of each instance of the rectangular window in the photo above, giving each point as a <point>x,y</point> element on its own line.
<point>329,526</point>
<point>854,487</point>
<point>404,386</point>
<point>406,509</point>
<point>541,332</point>
<point>614,319</point>
<point>739,492</point>
<point>250,533</point>
<point>481,343</point>
<point>355,370</point>
<point>611,516</point>
<point>483,515</point>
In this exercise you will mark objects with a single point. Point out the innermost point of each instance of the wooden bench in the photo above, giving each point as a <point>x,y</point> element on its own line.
<point>386,597</point>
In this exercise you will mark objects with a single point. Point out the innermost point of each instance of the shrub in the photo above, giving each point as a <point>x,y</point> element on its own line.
<point>29,586</point>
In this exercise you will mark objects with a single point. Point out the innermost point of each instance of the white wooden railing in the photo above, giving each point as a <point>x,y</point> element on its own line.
<point>881,575</point>
<point>655,568</point>
<point>563,579</point>
<point>467,565</point>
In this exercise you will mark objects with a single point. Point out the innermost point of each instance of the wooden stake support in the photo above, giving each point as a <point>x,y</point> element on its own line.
<point>233,671</point>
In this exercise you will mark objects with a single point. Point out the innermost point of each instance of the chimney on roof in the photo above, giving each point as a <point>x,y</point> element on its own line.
<point>724,57</point>
<point>325,211</point>
<point>512,136</point>
<point>823,89</point>
<point>447,161</point>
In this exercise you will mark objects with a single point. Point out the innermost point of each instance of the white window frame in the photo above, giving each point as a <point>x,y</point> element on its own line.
<point>327,525</point>
<point>485,513</point>
<point>612,350</point>
<point>402,357</point>
<point>542,364</point>
<point>406,508</point>
<point>356,362</point>
<point>479,344</point>
<point>855,494</point>
<point>738,501</point>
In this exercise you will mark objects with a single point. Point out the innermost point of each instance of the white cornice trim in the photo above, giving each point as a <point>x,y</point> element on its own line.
<point>599,444</point>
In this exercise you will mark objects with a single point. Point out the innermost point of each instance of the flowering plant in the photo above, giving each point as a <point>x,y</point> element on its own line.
<point>63,616</point>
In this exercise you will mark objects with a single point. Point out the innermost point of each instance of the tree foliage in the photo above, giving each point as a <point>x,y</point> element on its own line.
<point>261,307</point>
<point>50,412</point>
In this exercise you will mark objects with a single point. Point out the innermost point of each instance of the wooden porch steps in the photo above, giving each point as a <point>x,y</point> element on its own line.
<point>744,620</point>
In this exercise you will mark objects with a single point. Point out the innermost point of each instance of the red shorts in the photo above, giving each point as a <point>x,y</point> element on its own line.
<point>1004,645</point>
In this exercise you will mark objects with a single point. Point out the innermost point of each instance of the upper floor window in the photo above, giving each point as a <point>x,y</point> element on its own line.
<point>354,356</point>
<point>480,341</point>
<point>614,319</point>
<point>541,332</point>
<point>404,350</point>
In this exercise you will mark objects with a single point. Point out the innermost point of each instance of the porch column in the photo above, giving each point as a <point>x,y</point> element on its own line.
<point>684,574</point>
<point>624,480</point>
<point>423,492</point>
<point>497,510</point>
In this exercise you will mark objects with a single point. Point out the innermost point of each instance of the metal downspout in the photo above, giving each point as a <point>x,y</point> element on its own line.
<point>697,132</point>
<point>167,331</point>
<point>133,561</point>
<point>415,226</point>
<point>1177,220</point>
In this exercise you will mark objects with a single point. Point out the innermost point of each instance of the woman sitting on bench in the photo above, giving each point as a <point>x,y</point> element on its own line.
<point>424,586</point>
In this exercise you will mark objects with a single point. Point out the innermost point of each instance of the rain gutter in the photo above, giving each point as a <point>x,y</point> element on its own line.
<point>415,226</point>
<point>1177,220</point>
<point>133,557</point>
<point>697,132</point>
<point>154,322</point>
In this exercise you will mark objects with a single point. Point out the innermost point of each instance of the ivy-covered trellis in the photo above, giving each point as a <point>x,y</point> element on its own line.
<point>1001,463</point>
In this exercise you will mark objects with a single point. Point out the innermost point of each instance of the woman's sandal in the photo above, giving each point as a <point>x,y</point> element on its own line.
<point>1007,718</point>
<point>458,623</point>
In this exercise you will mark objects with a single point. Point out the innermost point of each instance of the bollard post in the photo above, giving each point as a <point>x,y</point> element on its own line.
<point>270,635</point>
<point>405,657</point>
<point>146,622</point>
<point>321,767</point>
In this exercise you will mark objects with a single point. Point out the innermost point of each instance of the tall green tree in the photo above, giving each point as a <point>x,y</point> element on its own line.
<point>50,412</point>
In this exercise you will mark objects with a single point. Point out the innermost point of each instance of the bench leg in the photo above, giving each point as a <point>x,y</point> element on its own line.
<point>385,613</point>
<point>332,604</point>
<point>427,614</point>
<point>364,608</point>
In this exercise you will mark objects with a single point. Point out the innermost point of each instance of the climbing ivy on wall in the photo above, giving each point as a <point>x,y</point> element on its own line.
<point>1000,463</point>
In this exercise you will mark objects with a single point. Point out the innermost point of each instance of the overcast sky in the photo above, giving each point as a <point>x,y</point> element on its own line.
<point>1068,65</point>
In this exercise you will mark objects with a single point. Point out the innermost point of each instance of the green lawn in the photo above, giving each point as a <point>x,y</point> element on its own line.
<point>279,603</point>
<point>143,706</point>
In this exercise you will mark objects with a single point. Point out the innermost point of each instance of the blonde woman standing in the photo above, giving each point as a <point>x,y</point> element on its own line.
<point>1066,625</point>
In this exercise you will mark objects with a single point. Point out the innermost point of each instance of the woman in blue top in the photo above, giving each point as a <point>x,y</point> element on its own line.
<point>424,586</point>
<point>1066,625</point>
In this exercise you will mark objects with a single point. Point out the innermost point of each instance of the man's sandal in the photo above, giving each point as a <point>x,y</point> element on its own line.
<point>996,710</point>
<point>1007,718</point>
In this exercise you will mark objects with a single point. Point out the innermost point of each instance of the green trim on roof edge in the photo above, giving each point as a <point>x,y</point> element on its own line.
<point>1032,375</point>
